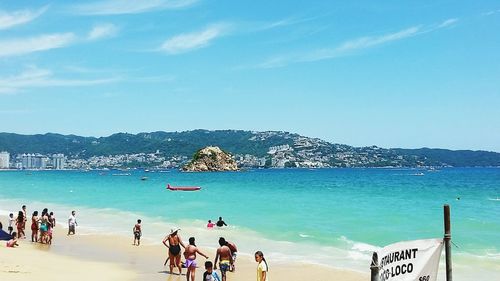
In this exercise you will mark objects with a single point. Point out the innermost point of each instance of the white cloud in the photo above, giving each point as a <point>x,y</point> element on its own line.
<point>44,42</point>
<point>118,7</point>
<point>341,50</point>
<point>350,46</point>
<point>492,12</point>
<point>34,77</point>
<point>190,41</point>
<point>367,42</point>
<point>102,31</point>
<point>10,19</point>
<point>16,47</point>
<point>286,22</point>
<point>448,22</point>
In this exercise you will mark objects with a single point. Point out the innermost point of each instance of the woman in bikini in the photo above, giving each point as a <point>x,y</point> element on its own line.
<point>34,227</point>
<point>20,223</point>
<point>44,228</point>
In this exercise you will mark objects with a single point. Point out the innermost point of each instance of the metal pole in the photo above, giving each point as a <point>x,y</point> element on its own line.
<point>374,267</point>
<point>447,241</point>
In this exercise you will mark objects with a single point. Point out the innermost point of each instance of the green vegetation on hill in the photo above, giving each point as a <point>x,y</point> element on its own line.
<point>297,149</point>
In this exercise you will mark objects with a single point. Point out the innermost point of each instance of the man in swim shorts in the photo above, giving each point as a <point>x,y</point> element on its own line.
<point>190,255</point>
<point>174,249</point>
<point>72,223</point>
<point>137,232</point>
<point>226,258</point>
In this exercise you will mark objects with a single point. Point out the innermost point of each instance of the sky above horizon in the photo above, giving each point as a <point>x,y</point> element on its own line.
<point>405,74</point>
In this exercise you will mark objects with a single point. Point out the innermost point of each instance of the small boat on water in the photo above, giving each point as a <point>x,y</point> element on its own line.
<point>183,188</point>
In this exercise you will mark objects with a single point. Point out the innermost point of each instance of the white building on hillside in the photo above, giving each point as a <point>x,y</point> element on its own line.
<point>58,161</point>
<point>4,160</point>
<point>34,161</point>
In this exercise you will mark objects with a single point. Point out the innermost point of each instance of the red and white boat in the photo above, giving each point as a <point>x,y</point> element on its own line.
<point>183,188</point>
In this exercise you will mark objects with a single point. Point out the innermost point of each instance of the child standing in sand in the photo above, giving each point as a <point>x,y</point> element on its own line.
<point>262,267</point>
<point>12,222</point>
<point>137,232</point>
<point>52,224</point>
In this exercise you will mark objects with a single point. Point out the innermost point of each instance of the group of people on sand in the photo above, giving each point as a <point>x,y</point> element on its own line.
<point>42,225</point>
<point>211,275</point>
<point>225,255</point>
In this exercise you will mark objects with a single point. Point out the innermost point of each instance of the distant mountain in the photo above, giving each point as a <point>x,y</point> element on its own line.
<point>455,158</point>
<point>268,149</point>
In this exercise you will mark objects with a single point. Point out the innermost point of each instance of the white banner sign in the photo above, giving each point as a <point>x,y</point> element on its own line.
<point>416,260</point>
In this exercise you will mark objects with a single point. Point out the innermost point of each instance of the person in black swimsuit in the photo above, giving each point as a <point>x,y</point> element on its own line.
<point>221,223</point>
<point>174,249</point>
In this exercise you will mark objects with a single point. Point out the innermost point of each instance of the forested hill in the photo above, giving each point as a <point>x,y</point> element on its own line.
<point>277,148</point>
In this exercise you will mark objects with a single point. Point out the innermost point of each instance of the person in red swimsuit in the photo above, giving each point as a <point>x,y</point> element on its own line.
<point>34,227</point>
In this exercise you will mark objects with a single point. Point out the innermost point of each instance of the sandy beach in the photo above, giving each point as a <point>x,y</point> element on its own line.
<point>106,257</point>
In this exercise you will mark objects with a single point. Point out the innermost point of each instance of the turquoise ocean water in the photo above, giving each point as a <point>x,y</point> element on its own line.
<point>334,217</point>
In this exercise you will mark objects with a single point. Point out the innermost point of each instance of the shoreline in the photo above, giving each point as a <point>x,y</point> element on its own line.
<point>93,254</point>
<point>115,223</point>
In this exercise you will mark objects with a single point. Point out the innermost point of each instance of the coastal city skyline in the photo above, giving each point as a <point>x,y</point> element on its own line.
<point>389,74</point>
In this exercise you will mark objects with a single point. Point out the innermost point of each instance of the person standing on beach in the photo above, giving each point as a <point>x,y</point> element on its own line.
<point>190,254</point>
<point>137,232</point>
<point>221,223</point>
<point>20,224</point>
<point>44,227</point>
<point>234,251</point>
<point>226,258</point>
<point>174,249</point>
<point>52,224</point>
<point>25,213</point>
<point>262,267</point>
<point>12,222</point>
<point>34,227</point>
<point>72,223</point>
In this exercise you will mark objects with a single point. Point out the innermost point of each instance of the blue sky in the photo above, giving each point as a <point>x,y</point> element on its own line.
<point>388,73</point>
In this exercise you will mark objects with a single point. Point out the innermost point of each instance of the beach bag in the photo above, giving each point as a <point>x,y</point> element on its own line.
<point>44,227</point>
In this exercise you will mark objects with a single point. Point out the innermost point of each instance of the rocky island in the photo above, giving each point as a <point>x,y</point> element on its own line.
<point>211,159</point>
